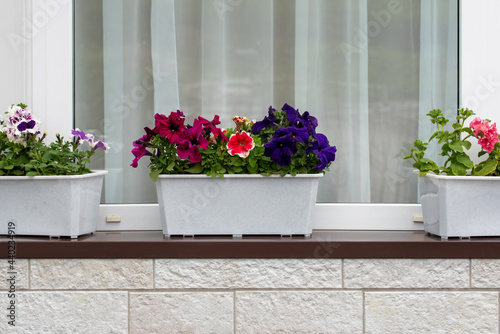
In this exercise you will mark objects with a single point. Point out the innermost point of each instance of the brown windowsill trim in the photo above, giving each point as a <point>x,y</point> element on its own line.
<point>322,244</point>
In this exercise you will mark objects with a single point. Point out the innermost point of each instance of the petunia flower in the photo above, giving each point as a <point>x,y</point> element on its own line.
<point>325,153</point>
<point>19,124</point>
<point>101,145</point>
<point>23,126</point>
<point>89,138</point>
<point>280,149</point>
<point>299,134</point>
<point>300,121</point>
<point>240,143</point>
<point>211,128</point>
<point>171,127</point>
<point>191,140</point>
<point>291,113</point>
<point>309,122</point>
<point>139,150</point>
<point>269,121</point>
<point>485,132</point>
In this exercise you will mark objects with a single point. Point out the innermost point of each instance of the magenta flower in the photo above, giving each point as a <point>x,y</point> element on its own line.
<point>171,127</point>
<point>191,140</point>
<point>240,144</point>
<point>485,132</point>
<point>211,127</point>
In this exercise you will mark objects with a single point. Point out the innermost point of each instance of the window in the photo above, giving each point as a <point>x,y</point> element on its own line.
<point>350,68</point>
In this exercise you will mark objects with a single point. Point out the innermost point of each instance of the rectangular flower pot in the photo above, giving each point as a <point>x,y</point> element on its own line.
<point>460,206</point>
<point>237,204</point>
<point>56,206</point>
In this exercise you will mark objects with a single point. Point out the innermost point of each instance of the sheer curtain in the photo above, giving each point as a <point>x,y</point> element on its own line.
<point>368,70</point>
<point>438,67</point>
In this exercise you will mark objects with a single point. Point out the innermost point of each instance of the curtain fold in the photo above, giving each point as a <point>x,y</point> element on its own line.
<point>438,66</point>
<point>332,83</point>
<point>128,96</point>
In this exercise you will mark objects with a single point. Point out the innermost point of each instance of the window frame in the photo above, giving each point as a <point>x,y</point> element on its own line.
<point>49,74</point>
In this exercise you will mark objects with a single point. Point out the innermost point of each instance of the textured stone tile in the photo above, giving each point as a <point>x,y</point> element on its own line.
<point>67,312</point>
<point>247,273</point>
<point>92,274</point>
<point>19,272</point>
<point>181,312</point>
<point>431,312</point>
<point>299,312</point>
<point>485,273</point>
<point>406,273</point>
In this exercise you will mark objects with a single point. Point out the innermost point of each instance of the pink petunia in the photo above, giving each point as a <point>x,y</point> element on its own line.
<point>191,140</point>
<point>211,127</point>
<point>485,132</point>
<point>139,150</point>
<point>171,127</point>
<point>240,144</point>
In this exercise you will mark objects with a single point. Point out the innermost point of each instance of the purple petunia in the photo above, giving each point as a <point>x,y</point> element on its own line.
<point>79,133</point>
<point>268,122</point>
<point>297,120</point>
<point>325,153</point>
<point>23,126</point>
<point>280,149</point>
<point>19,124</point>
<point>89,138</point>
<point>299,134</point>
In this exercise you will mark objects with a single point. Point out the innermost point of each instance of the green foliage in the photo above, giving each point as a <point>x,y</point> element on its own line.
<point>37,158</point>
<point>216,161</point>
<point>454,146</point>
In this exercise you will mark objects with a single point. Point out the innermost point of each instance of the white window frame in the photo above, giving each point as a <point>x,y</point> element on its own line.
<point>49,75</point>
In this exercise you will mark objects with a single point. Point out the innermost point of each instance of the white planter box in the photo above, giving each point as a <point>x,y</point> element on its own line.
<point>460,206</point>
<point>237,204</point>
<point>53,206</point>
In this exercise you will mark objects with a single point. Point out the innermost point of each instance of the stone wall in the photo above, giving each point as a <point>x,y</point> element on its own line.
<point>253,296</point>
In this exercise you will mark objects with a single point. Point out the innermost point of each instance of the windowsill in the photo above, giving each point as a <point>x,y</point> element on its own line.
<point>325,244</point>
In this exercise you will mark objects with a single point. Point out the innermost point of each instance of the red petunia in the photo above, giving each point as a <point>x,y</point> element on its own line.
<point>240,144</point>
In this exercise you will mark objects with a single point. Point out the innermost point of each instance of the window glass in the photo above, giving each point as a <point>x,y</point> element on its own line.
<point>368,70</point>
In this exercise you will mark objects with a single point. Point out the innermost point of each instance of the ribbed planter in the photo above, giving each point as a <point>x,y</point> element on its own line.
<point>56,206</point>
<point>460,206</point>
<point>237,204</point>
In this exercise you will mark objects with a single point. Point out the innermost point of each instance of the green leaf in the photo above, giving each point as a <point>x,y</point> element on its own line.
<point>466,144</point>
<point>195,169</point>
<point>456,146</point>
<point>458,169</point>
<point>465,160</point>
<point>31,174</point>
<point>488,168</point>
<point>170,166</point>
<point>154,175</point>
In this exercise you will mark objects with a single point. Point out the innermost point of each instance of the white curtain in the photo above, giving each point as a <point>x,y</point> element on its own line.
<point>438,66</point>
<point>367,69</point>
